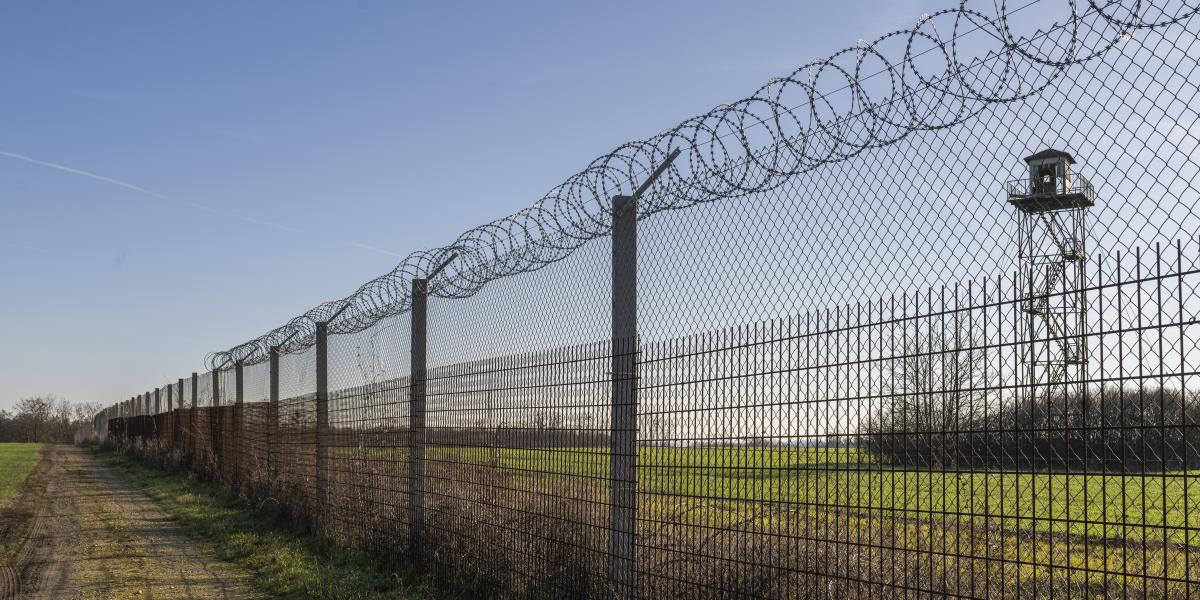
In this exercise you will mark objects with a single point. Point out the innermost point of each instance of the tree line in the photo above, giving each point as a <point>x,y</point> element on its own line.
<point>941,414</point>
<point>45,419</point>
<point>1132,429</point>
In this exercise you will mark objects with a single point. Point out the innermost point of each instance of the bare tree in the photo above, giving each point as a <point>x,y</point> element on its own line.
<point>33,417</point>
<point>45,419</point>
<point>935,399</point>
<point>8,430</point>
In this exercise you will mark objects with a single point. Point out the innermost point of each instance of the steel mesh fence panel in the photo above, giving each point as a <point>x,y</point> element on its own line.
<point>163,424</point>
<point>892,447</point>
<point>517,469</point>
<point>930,209</point>
<point>516,432</point>
<point>560,305</point>
<point>204,453</point>
<point>226,428</point>
<point>204,390</point>
<point>369,437</point>
<point>175,440</point>
<point>187,435</point>
<point>298,434</point>
<point>254,423</point>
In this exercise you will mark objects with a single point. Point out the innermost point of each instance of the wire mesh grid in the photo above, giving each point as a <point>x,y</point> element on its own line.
<point>851,373</point>
<point>297,435</point>
<point>370,438</point>
<point>892,447</point>
<point>227,438</point>
<point>253,416</point>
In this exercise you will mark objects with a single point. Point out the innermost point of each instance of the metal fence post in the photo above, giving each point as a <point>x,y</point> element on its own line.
<point>169,417</point>
<point>417,436</point>
<point>157,409</point>
<point>322,360</point>
<point>622,541</point>
<point>177,435</point>
<point>623,433</point>
<point>193,425</point>
<point>214,424</point>
<point>416,418</point>
<point>273,415</point>
<point>239,425</point>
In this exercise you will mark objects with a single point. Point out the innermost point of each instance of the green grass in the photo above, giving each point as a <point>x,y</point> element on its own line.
<point>16,463</point>
<point>1157,507</point>
<point>285,564</point>
<point>1014,519</point>
<point>847,490</point>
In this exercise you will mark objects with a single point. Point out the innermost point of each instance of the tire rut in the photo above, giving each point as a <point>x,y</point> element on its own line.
<point>17,571</point>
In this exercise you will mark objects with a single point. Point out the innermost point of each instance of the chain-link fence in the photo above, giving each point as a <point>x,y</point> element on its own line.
<point>918,319</point>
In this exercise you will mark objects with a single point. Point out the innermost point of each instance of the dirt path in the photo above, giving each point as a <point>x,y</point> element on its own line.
<point>92,536</point>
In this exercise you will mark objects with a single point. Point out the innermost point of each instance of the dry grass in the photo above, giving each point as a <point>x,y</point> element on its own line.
<point>516,533</point>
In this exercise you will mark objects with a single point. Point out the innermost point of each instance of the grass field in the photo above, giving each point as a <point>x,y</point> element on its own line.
<point>833,518</point>
<point>16,463</point>
<point>1047,534</point>
<point>1156,507</point>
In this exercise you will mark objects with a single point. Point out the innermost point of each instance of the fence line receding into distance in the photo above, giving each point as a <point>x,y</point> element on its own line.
<point>922,318</point>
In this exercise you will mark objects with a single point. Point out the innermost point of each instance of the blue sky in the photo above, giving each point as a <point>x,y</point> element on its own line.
<point>282,153</point>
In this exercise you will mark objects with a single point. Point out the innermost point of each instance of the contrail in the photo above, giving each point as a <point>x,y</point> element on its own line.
<point>83,173</point>
<point>208,209</point>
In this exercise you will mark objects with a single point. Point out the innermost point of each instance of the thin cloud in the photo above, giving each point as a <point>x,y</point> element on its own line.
<point>208,209</point>
<point>83,173</point>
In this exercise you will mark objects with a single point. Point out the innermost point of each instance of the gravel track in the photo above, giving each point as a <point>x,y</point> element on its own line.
<point>93,536</point>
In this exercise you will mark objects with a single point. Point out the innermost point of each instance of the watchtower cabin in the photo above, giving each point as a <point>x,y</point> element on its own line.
<point>1052,205</point>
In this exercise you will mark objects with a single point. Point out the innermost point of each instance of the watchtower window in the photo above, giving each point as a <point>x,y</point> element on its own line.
<point>1047,180</point>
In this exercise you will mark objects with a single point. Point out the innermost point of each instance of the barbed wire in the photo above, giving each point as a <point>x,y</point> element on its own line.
<point>868,96</point>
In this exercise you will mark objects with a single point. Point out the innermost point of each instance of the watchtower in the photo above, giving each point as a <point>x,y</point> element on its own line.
<point>1052,205</point>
